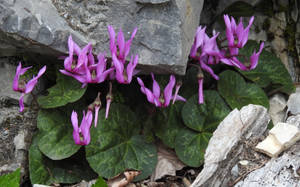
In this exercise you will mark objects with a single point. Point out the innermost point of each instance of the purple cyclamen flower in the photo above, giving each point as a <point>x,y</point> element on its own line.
<point>233,61</point>
<point>75,64</point>
<point>158,98</point>
<point>203,45</point>
<point>94,72</point>
<point>198,41</point>
<point>23,87</point>
<point>81,135</point>
<point>124,76</point>
<point>254,57</point>
<point>236,35</point>
<point>120,48</point>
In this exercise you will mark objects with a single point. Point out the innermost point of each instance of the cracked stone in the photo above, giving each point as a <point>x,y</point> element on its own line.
<point>166,28</point>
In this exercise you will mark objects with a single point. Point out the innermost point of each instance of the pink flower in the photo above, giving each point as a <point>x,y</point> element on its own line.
<point>233,61</point>
<point>198,41</point>
<point>75,64</point>
<point>94,72</point>
<point>236,35</point>
<point>81,135</point>
<point>203,45</point>
<point>158,98</point>
<point>124,76</point>
<point>254,57</point>
<point>23,87</point>
<point>120,48</point>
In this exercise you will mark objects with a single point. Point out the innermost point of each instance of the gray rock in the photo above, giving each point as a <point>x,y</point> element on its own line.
<point>15,135</point>
<point>277,109</point>
<point>165,34</point>
<point>226,144</point>
<point>281,172</point>
<point>293,103</point>
<point>294,120</point>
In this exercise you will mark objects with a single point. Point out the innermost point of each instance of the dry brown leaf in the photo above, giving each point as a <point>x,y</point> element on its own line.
<point>167,163</point>
<point>123,179</point>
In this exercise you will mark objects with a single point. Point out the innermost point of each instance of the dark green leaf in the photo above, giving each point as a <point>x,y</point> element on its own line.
<point>239,9</point>
<point>66,90</point>
<point>265,7</point>
<point>190,83</point>
<point>46,171</point>
<point>116,145</point>
<point>206,116</point>
<point>190,146</point>
<point>168,123</point>
<point>100,183</point>
<point>11,179</point>
<point>237,93</point>
<point>56,141</point>
<point>270,71</point>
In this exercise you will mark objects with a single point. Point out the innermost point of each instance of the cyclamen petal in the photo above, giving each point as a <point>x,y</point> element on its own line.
<point>108,102</point>
<point>85,128</point>
<point>112,36</point>
<point>168,90</point>
<point>176,93</point>
<point>31,84</point>
<point>208,69</point>
<point>155,87</point>
<point>254,57</point>
<point>128,43</point>
<point>81,135</point>
<point>21,102</point>
<point>131,67</point>
<point>74,120</point>
<point>97,108</point>
<point>121,43</point>
<point>160,100</point>
<point>20,71</point>
<point>198,41</point>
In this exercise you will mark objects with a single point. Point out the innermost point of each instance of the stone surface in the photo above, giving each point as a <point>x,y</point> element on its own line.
<point>226,144</point>
<point>295,120</point>
<point>280,172</point>
<point>293,103</point>
<point>165,34</point>
<point>270,146</point>
<point>277,109</point>
<point>16,130</point>
<point>280,138</point>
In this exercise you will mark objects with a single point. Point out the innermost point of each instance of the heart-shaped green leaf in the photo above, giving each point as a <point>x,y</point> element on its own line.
<point>11,179</point>
<point>46,171</point>
<point>190,146</point>
<point>116,146</point>
<point>270,71</point>
<point>239,9</point>
<point>207,116</point>
<point>66,90</point>
<point>237,93</point>
<point>56,141</point>
<point>168,123</point>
